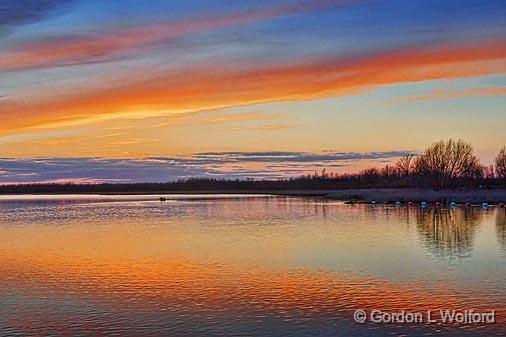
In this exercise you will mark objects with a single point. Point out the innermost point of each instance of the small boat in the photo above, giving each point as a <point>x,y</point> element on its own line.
<point>484,205</point>
<point>424,204</point>
<point>162,199</point>
<point>453,204</point>
<point>397,204</point>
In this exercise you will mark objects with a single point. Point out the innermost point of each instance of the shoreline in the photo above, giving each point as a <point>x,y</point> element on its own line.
<point>380,195</point>
<point>405,195</point>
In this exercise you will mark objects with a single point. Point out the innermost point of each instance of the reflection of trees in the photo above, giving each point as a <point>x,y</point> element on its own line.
<point>448,233</point>
<point>500,226</point>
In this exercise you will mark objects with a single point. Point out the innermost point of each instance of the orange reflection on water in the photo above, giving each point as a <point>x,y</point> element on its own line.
<point>126,276</point>
<point>183,284</point>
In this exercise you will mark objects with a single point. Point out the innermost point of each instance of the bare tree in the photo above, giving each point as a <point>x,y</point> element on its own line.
<point>500,163</point>
<point>419,166</point>
<point>446,161</point>
<point>489,172</point>
<point>405,164</point>
<point>370,175</point>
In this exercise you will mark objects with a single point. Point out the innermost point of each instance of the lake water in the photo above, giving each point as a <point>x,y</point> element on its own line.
<point>215,265</point>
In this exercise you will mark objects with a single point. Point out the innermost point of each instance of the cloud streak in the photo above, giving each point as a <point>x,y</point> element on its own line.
<point>452,94</point>
<point>273,165</point>
<point>25,11</point>
<point>224,85</point>
<point>97,48</point>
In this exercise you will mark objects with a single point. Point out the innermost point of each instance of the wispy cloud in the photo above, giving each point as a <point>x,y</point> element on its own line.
<point>219,85</point>
<point>25,11</point>
<point>97,48</point>
<point>452,94</point>
<point>287,156</point>
<point>273,164</point>
<point>265,127</point>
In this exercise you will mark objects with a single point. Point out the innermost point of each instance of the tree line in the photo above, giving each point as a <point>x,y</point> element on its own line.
<point>445,164</point>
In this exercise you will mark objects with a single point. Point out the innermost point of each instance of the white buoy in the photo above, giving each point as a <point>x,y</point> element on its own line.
<point>373,202</point>
<point>484,205</point>
<point>397,204</point>
<point>423,204</point>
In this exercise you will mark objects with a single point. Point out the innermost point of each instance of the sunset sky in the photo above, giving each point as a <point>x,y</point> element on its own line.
<point>107,90</point>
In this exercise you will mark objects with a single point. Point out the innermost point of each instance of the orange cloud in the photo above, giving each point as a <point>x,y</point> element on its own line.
<point>219,86</point>
<point>446,94</point>
<point>268,127</point>
<point>213,117</point>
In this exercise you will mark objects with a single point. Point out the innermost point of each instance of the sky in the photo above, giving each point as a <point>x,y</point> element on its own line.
<point>131,91</point>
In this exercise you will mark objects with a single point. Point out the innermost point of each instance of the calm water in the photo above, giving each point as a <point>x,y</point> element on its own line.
<point>242,266</point>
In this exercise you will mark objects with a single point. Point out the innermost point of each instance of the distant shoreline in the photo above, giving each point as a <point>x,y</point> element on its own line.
<point>380,195</point>
<point>404,195</point>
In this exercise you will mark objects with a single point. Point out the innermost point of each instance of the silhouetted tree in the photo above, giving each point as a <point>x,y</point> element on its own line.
<point>489,172</point>
<point>369,175</point>
<point>500,164</point>
<point>405,164</point>
<point>446,161</point>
